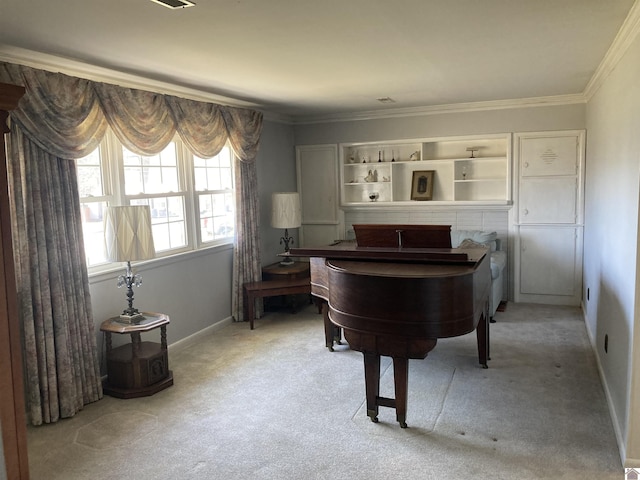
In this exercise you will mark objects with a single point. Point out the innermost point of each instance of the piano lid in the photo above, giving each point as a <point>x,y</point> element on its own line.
<point>401,270</point>
<point>350,250</point>
<point>396,242</point>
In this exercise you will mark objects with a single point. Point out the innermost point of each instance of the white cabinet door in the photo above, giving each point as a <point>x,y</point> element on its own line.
<point>549,155</point>
<point>548,261</point>
<point>317,172</point>
<point>548,200</point>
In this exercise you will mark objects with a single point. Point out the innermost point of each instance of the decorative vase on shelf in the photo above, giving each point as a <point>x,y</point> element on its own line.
<point>371,177</point>
<point>415,156</point>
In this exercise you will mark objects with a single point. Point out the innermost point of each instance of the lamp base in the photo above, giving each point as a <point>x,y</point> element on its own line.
<point>130,319</point>
<point>287,262</point>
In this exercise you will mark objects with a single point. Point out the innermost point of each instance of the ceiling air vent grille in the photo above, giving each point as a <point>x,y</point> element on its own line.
<point>174,4</point>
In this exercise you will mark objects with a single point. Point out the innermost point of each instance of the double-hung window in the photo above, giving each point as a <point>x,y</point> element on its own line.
<point>215,196</point>
<point>191,199</point>
<point>94,189</point>
<point>156,181</point>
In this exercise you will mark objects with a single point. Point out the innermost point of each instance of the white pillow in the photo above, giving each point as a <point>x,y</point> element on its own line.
<point>478,236</point>
<point>468,243</point>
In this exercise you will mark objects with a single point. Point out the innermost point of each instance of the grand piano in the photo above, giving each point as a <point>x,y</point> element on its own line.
<point>394,292</point>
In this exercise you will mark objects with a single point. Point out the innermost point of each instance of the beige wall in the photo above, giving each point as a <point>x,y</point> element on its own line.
<point>611,243</point>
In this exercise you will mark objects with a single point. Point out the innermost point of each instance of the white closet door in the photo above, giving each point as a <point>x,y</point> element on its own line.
<point>317,171</point>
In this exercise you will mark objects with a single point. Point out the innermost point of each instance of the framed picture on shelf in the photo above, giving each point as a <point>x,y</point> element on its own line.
<point>422,185</point>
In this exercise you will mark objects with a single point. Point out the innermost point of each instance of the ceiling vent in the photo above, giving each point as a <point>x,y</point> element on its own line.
<point>174,4</point>
<point>386,100</point>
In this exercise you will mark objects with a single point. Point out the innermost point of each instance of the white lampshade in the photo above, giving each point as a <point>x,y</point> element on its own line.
<point>285,210</point>
<point>127,233</point>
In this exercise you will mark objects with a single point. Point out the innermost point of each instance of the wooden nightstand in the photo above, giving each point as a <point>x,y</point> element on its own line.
<point>277,281</point>
<point>292,274</point>
<point>277,271</point>
<point>137,369</point>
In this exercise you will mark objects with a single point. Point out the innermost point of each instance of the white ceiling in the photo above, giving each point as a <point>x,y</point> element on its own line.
<point>306,59</point>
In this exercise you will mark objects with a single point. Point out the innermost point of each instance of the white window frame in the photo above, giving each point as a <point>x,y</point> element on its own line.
<point>220,191</point>
<point>112,169</point>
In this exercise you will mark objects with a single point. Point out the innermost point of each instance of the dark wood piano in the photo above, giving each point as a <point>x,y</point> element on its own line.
<point>394,292</point>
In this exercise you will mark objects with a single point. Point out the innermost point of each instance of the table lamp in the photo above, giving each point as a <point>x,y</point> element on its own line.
<point>128,238</point>
<point>285,213</point>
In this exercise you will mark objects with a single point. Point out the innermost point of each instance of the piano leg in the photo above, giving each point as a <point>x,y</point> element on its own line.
<point>488,334</point>
<point>482,332</point>
<point>332,333</point>
<point>372,383</point>
<point>328,329</point>
<point>318,302</point>
<point>400,378</point>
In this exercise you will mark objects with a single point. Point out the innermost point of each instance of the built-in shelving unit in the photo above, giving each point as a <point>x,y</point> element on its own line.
<point>467,170</point>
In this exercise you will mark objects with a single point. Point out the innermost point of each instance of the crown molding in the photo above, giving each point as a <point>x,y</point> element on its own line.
<point>447,108</point>
<point>75,68</point>
<point>94,73</point>
<point>618,48</point>
<point>625,37</point>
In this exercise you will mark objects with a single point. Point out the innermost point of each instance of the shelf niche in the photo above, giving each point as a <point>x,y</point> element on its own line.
<point>483,178</point>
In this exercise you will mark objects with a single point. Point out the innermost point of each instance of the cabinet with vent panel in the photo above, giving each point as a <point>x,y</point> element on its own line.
<point>548,217</point>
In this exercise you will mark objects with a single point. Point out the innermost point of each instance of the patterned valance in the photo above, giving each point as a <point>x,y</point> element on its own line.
<point>68,116</point>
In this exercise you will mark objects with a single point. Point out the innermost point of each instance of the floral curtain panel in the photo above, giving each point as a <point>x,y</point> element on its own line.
<point>246,265</point>
<point>62,371</point>
<point>62,118</point>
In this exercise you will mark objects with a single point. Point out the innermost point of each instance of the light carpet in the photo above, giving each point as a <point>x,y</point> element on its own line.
<point>274,403</point>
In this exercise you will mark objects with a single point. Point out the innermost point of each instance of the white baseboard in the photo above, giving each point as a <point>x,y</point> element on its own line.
<point>191,339</point>
<point>622,446</point>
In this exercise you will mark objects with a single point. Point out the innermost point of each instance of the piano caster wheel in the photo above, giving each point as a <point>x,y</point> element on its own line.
<point>485,365</point>
<point>403,424</point>
<point>330,349</point>
<point>374,419</point>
